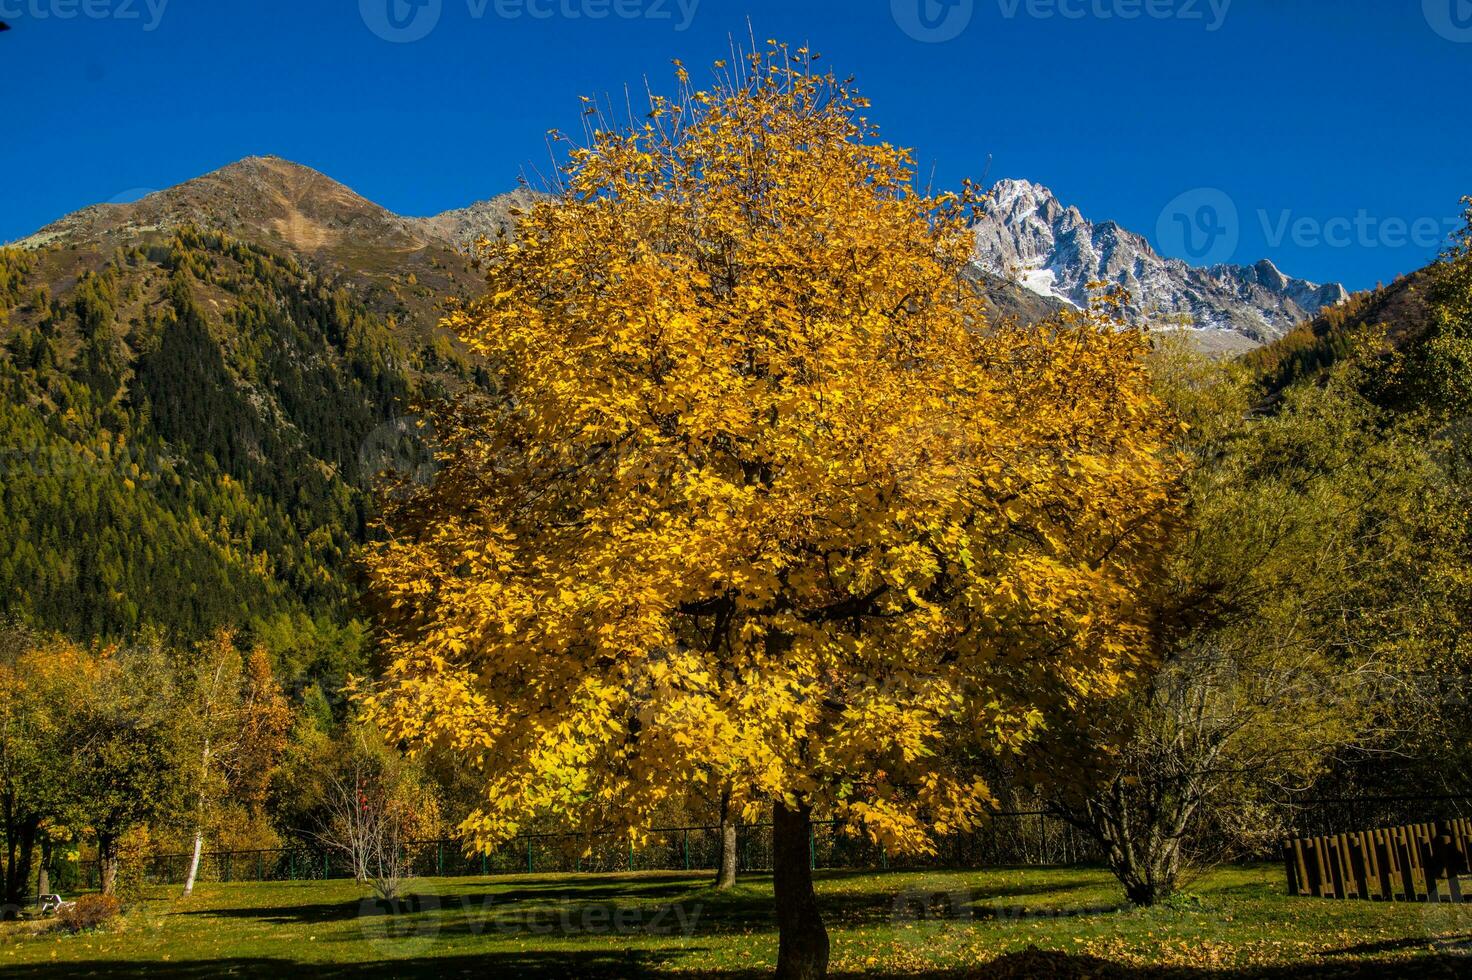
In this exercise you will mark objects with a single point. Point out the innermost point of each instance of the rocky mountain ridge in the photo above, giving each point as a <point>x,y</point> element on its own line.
<point>1030,237</point>
<point>421,261</point>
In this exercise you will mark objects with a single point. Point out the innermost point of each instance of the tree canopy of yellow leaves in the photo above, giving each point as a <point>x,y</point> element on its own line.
<point>761,497</point>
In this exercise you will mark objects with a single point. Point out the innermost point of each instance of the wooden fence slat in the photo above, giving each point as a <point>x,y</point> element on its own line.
<point>1304,888</point>
<point>1290,869</point>
<point>1384,865</point>
<point>1415,875</point>
<point>1326,868</point>
<point>1340,869</point>
<point>1316,870</point>
<point>1392,865</point>
<point>1364,862</point>
<point>1350,888</point>
<point>1403,857</point>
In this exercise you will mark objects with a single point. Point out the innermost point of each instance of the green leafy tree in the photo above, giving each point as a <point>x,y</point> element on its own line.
<point>42,680</point>
<point>1289,613</point>
<point>232,723</point>
<point>127,770</point>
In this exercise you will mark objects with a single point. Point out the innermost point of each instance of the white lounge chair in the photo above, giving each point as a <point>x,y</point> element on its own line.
<point>51,904</point>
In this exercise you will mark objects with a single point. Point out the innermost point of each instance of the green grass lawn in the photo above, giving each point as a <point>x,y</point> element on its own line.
<point>1233,923</point>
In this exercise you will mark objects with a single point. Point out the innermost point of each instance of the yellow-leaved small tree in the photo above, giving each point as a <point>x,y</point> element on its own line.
<point>761,500</point>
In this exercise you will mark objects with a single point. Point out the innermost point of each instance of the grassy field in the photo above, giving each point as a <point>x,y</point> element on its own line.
<point>1064,923</point>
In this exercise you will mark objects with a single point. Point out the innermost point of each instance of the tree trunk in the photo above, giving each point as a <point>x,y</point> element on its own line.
<point>726,875</point>
<point>1154,875</point>
<point>1146,859</point>
<point>802,949</point>
<point>204,775</point>
<point>43,876</point>
<point>1145,893</point>
<point>8,909</point>
<point>19,848</point>
<point>194,862</point>
<point>107,858</point>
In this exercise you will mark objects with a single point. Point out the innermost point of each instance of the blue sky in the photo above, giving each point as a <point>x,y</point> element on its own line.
<point>1333,136</point>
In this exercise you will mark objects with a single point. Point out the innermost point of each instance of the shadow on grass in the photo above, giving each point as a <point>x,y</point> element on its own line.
<point>454,901</point>
<point>1452,944</point>
<point>1029,965</point>
<point>659,906</point>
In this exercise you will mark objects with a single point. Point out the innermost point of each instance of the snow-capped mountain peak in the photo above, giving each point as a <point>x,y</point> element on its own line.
<point>1029,236</point>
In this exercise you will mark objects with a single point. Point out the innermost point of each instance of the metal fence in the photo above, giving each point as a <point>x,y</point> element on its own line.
<point>1328,815</point>
<point>1015,838</point>
<point>1018,838</point>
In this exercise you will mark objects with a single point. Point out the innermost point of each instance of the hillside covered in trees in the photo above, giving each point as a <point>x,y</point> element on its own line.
<point>1399,310</point>
<point>190,425</point>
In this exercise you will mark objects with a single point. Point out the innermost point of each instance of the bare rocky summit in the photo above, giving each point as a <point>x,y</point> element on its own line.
<point>1029,237</point>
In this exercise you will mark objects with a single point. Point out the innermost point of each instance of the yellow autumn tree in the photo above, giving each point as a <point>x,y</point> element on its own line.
<point>761,500</point>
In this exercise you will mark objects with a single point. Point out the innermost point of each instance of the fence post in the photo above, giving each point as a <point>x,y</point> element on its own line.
<point>687,848</point>
<point>439,859</point>
<point>326,869</point>
<point>482,861</point>
<point>260,865</point>
<point>812,848</point>
<point>631,854</point>
<point>528,855</point>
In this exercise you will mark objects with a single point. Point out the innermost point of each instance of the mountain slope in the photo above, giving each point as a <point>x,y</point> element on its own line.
<point>195,382</point>
<point>484,219</point>
<point>1399,310</point>
<point>1027,235</point>
<point>396,266</point>
<point>198,386</point>
<point>258,197</point>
